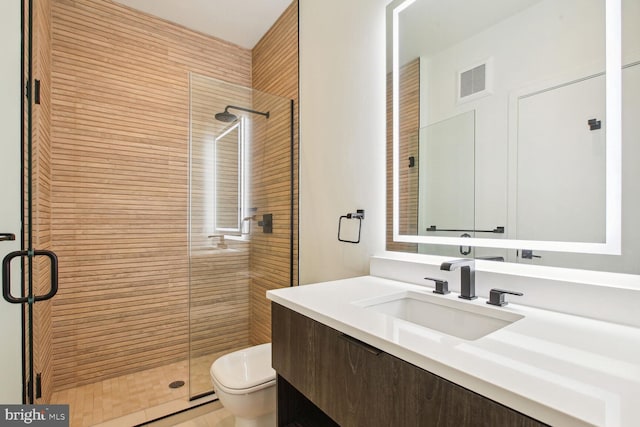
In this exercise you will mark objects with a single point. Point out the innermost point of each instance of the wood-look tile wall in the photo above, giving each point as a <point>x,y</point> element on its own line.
<point>120,127</point>
<point>275,71</point>
<point>409,103</point>
<point>219,309</point>
<point>41,194</point>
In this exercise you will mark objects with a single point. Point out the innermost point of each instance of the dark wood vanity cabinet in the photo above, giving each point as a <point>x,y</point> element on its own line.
<point>326,378</point>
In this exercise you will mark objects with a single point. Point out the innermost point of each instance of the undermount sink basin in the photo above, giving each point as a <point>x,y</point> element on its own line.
<point>444,314</point>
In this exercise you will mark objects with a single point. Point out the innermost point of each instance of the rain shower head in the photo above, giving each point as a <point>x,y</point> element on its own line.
<point>228,117</point>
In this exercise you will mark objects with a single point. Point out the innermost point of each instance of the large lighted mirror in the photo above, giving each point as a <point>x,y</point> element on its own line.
<point>512,131</point>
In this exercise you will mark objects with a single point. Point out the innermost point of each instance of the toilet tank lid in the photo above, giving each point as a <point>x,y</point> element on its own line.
<point>244,369</point>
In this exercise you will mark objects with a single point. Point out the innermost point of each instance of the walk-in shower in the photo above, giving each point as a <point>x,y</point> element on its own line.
<point>192,288</point>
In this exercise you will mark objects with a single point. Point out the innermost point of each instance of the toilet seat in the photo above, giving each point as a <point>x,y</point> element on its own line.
<point>244,390</point>
<point>244,371</point>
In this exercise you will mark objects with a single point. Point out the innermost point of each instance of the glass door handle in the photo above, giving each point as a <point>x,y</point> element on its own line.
<point>6,276</point>
<point>7,236</point>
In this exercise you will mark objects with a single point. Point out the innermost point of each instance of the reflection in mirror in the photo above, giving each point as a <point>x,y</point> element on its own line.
<point>559,155</point>
<point>229,179</point>
<point>446,176</point>
<point>536,74</point>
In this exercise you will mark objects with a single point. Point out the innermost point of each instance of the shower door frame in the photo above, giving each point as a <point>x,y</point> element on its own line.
<point>31,382</point>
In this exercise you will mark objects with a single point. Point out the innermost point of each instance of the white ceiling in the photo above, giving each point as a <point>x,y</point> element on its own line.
<point>242,22</point>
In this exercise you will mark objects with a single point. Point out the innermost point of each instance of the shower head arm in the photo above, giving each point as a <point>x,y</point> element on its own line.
<point>246,109</point>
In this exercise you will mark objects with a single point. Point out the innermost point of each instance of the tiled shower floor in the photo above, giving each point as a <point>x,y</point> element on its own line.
<point>136,398</point>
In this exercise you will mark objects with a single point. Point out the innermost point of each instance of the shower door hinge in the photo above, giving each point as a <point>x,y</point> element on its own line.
<point>38,386</point>
<point>36,90</point>
<point>29,391</point>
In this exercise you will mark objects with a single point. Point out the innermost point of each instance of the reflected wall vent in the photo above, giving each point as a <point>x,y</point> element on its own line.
<point>475,81</point>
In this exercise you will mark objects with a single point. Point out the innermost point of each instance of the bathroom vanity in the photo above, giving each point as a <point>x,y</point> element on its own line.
<point>343,357</point>
<point>360,385</point>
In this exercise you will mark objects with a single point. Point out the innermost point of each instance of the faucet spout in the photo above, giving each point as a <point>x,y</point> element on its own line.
<point>467,276</point>
<point>457,263</point>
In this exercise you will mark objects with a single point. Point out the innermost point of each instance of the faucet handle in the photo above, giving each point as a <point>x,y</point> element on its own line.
<point>496,296</point>
<point>442,286</point>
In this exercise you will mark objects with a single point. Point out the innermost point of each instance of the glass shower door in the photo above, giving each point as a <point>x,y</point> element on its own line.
<point>240,217</point>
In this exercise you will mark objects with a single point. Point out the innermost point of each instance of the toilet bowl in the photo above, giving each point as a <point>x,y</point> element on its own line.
<point>244,381</point>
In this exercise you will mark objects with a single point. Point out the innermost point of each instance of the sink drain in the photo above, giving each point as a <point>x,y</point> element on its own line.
<point>176,384</point>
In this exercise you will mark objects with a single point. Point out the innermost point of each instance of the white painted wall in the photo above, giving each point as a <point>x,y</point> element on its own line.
<point>10,341</point>
<point>342,134</point>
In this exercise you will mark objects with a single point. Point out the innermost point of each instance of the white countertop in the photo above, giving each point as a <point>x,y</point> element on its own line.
<point>560,369</point>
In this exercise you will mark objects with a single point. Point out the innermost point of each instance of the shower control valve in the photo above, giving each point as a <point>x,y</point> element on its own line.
<point>266,223</point>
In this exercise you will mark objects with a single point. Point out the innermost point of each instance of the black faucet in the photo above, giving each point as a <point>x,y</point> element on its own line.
<point>467,276</point>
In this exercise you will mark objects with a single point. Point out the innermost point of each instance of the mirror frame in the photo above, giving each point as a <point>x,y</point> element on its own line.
<point>613,242</point>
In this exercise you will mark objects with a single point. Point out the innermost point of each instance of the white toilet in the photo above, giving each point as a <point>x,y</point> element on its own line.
<point>244,381</point>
